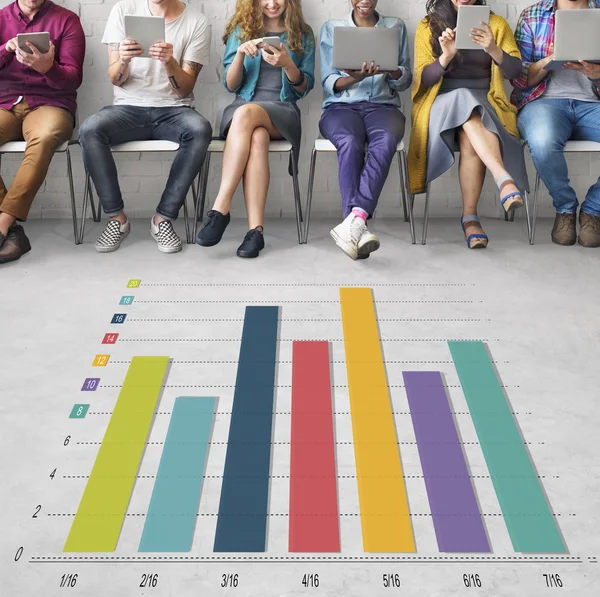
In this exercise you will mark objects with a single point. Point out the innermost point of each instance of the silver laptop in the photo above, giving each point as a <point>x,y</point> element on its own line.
<point>576,37</point>
<point>354,45</point>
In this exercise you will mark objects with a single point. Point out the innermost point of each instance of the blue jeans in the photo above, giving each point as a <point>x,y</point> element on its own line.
<point>546,125</point>
<point>119,124</point>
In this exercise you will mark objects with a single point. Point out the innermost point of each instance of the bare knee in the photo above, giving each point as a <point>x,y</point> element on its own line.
<point>260,140</point>
<point>246,117</point>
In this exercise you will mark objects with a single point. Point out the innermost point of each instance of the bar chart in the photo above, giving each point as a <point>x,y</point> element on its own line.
<point>314,516</point>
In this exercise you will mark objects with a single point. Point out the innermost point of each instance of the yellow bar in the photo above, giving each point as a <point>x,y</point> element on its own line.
<point>97,524</point>
<point>384,515</point>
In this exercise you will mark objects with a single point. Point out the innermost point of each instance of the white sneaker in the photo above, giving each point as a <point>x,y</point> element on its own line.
<point>165,236</point>
<point>368,243</point>
<point>112,236</point>
<point>347,234</point>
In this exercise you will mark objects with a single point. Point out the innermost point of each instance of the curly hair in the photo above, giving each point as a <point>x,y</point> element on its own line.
<point>248,17</point>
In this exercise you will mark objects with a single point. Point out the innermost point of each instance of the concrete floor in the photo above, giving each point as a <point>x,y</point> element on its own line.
<point>536,307</point>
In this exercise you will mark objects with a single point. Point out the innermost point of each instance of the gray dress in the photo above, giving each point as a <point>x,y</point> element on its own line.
<point>463,91</point>
<point>285,116</point>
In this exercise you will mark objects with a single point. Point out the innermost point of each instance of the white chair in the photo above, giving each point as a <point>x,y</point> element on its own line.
<point>14,147</point>
<point>149,146</point>
<point>570,147</point>
<point>218,146</point>
<point>326,146</point>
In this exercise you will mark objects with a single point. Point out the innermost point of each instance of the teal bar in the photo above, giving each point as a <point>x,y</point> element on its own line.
<point>530,522</point>
<point>171,517</point>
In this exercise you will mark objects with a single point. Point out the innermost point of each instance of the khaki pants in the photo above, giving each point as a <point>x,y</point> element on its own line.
<point>44,129</point>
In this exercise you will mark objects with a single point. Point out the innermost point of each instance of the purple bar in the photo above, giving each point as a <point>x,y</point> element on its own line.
<point>456,516</point>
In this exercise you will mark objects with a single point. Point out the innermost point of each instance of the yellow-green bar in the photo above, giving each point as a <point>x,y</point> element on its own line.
<point>384,515</point>
<point>97,524</point>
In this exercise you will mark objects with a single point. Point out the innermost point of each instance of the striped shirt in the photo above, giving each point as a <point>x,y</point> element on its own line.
<point>535,37</point>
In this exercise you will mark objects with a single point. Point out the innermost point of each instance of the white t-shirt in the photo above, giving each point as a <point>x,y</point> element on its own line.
<point>148,84</point>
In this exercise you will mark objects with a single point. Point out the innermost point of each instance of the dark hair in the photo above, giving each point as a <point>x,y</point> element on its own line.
<point>442,14</point>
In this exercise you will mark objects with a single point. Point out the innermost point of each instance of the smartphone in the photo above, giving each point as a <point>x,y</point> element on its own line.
<point>274,42</point>
<point>40,40</point>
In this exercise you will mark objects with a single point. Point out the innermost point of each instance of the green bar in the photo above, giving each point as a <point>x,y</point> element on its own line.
<point>530,522</point>
<point>97,524</point>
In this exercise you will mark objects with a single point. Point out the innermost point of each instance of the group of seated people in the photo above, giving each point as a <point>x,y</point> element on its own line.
<point>459,104</point>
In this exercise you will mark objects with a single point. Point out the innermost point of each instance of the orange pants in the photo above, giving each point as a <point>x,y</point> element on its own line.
<point>44,129</point>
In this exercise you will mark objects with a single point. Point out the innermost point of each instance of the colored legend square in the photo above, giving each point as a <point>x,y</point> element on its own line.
<point>118,318</point>
<point>79,411</point>
<point>134,283</point>
<point>90,384</point>
<point>100,360</point>
<point>110,338</point>
<point>126,300</point>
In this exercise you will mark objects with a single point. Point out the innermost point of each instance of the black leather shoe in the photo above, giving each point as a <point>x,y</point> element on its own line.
<point>254,242</point>
<point>213,230</point>
<point>15,245</point>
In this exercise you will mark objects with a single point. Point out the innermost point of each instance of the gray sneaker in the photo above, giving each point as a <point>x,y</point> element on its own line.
<point>112,236</point>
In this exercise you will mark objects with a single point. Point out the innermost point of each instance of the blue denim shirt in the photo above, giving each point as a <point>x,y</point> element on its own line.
<point>379,89</point>
<point>305,63</point>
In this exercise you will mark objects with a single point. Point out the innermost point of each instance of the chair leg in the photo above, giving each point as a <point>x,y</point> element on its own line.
<point>96,209</point>
<point>527,216</point>
<point>72,193</point>
<point>408,197</point>
<point>536,193</point>
<point>426,217</point>
<point>86,194</point>
<point>297,200</point>
<point>201,186</point>
<point>186,217</point>
<point>403,197</point>
<point>311,182</point>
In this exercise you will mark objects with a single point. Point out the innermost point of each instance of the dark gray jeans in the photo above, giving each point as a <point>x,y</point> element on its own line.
<point>119,124</point>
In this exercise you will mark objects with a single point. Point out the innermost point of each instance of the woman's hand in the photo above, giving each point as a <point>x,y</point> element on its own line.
<point>250,48</point>
<point>276,57</point>
<point>448,45</point>
<point>484,37</point>
<point>367,70</point>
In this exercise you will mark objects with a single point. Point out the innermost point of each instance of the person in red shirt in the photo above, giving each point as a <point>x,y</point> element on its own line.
<point>38,93</point>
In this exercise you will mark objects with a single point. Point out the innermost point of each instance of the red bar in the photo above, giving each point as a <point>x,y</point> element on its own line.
<point>314,518</point>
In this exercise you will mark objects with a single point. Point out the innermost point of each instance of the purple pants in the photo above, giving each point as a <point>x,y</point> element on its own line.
<point>349,127</point>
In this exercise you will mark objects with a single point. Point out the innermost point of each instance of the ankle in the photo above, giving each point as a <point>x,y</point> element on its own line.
<point>360,213</point>
<point>120,217</point>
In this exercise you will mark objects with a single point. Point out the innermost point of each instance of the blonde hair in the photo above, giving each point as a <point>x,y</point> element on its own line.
<point>248,17</point>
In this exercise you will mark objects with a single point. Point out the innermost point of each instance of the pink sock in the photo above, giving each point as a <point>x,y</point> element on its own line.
<point>361,213</point>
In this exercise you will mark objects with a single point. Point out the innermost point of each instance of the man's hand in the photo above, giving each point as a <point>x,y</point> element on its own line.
<point>161,51</point>
<point>367,70</point>
<point>11,45</point>
<point>589,69</point>
<point>39,62</point>
<point>276,57</point>
<point>129,49</point>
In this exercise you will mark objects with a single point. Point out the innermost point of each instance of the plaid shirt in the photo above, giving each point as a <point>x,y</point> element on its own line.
<point>535,37</point>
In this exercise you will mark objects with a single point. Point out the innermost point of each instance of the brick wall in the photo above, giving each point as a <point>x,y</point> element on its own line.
<point>141,176</point>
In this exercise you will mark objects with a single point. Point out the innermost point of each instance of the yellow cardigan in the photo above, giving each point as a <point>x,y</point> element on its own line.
<point>423,97</point>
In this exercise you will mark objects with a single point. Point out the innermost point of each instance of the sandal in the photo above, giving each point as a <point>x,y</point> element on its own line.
<point>474,241</point>
<point>511,201</point>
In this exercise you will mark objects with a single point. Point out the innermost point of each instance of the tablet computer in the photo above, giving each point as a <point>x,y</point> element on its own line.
<point>576,37</point>
<point>470,17</point>
<point>352,46</point>
<point>146,31</point>
<point>40,40</point>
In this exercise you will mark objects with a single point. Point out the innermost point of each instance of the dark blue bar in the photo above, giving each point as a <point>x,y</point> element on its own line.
<point>242,522</point>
